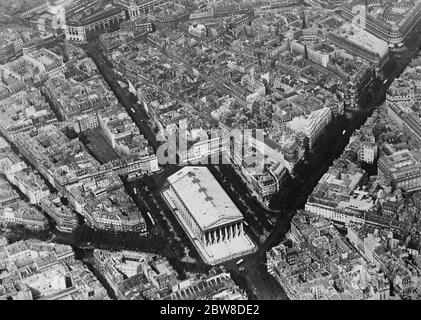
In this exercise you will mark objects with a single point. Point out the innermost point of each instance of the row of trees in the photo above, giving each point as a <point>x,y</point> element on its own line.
<point>18,232</point>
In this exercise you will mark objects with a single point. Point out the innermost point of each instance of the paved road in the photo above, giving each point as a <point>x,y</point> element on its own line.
<point>255,277</point>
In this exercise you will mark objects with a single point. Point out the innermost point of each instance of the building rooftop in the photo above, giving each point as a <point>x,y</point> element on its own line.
<point>402,160</point>
<point>84,12</point>
<point>306,123</point>
<point>204,197</point>
<point>49,271</point>
<point>365,39</point>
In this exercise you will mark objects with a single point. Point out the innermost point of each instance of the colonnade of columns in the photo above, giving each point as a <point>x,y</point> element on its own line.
<point>102,24</point>
<point>136,12</point>
<point>223,233</point>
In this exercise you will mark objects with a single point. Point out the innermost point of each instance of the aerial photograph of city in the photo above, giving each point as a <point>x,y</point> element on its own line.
<point>210,150</point>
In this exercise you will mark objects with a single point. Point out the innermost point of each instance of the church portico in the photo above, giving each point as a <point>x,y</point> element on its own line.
<point>223,234</point>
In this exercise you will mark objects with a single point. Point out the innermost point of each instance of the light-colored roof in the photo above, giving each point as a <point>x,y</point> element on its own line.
<point>308,123</point>
<point>207,202</point>
<point>365,39</point>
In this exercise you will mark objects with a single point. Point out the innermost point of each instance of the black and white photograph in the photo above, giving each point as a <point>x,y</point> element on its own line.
<point>210,158</point>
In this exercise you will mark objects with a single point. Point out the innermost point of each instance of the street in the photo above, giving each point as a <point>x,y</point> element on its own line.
<point>255,278</point>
